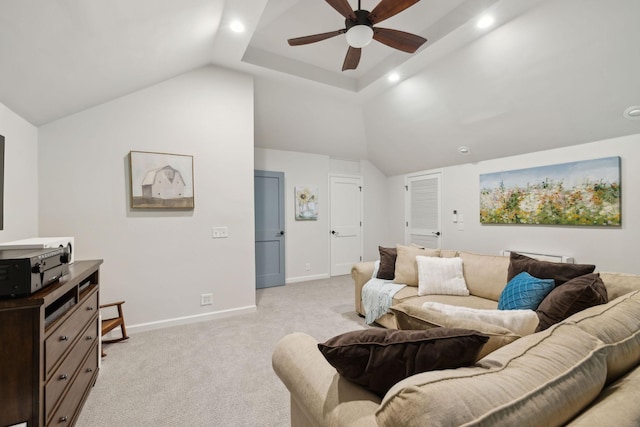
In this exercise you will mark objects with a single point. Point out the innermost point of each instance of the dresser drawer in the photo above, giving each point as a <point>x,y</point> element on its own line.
<point>63,337</point>
<point>64,374</point>
<point>68,410</point>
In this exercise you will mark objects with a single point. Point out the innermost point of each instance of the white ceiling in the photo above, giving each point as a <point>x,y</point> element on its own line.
<point>550,73</point>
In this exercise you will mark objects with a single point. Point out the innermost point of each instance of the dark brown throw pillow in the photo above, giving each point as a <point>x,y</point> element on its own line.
<point>573,296</point>
<point>378,358</point>
<point>560,272</point>
<point>387,263</point>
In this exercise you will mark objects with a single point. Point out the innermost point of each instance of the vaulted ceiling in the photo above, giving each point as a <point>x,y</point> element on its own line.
<point>548,73</point>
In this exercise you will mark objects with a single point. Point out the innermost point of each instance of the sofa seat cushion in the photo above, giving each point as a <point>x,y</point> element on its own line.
<point>409,295</point>
<point>485,275</point>
<point>617,324</point>
<point>409,317</point>
<point>378,358</point>
<point>542,379</point>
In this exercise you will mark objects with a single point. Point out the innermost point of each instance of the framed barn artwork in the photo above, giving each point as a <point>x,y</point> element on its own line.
<point>161,180</point>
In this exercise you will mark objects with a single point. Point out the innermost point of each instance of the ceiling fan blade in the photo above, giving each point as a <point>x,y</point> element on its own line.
<point>387,8</point>
<point>343,8</point>
<point>314,38</point>
<point>400,40</point>
<point>352,59</point>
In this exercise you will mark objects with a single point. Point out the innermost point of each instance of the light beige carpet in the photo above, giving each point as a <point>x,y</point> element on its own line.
<point>218,372</point>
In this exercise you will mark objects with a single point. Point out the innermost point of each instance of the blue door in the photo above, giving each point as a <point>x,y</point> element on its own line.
<point>269,218</point>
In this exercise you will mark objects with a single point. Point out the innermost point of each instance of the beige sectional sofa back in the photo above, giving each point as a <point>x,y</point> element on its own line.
<point>581,372</point>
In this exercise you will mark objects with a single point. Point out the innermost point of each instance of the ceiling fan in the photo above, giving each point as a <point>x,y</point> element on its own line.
<point>360,30</point>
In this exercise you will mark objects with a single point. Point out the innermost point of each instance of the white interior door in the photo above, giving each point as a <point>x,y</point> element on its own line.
<point>345,223</point>
<point>423,198</point>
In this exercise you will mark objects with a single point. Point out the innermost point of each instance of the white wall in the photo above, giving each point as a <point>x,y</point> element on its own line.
<point>376,230</point>
<point>159,261</point>
<point>610,249</point>
<point>20,177</point>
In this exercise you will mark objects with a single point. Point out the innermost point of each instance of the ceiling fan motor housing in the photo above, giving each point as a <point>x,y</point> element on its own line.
<point>362,18</point>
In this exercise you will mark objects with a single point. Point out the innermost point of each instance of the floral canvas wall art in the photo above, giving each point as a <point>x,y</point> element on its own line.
<point>306,203</point>
<point>583,193</point>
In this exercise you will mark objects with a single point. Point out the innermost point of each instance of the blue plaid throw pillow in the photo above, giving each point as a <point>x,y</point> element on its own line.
<point>524,292</point>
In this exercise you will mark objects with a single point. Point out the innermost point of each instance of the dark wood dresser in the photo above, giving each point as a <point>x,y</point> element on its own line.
<point>49,350</point>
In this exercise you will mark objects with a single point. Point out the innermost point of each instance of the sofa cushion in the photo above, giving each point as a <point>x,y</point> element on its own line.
<point>440,276</point>
<point>617,324</point>
<point>406,271</point>
<point>521,322</point>
<point>619,284</point>
<point>485,275</point>
<point>378,358</point>
<point>570,298</point>
<point>387,263</point>
<point>617,405</point>
<point>542,379</point>
<point>524,292</point>
<point>558,271</point>
<point>409,317</point>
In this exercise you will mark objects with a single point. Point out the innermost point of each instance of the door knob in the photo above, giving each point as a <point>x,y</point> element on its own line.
<point>334,232</point>
<point>437,233</point>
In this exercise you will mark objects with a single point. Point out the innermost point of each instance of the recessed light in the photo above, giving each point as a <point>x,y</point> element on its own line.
<point>394,77</point>
<point>237,27</point>
<point>485,22</point>
<point>632,113</point>
<point>464,150</point>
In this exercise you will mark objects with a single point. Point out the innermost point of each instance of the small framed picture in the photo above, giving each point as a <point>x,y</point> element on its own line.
<point>161,180</point>
<point>306,203</point>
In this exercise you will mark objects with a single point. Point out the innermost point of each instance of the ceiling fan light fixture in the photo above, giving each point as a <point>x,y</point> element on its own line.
<point>359,36</point>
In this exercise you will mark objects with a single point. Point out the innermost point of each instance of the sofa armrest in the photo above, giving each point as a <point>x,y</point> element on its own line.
<point>322,396</point>
<point>361,273</point>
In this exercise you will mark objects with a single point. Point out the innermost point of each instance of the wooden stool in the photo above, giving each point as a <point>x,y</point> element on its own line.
<point>111,323</point>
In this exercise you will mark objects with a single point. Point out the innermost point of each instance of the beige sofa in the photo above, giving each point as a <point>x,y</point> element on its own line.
<point>485,276</point>
<point>580,372</point>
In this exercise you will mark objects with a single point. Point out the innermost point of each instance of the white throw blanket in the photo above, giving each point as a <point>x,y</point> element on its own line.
<point>377,297</point>
<point>521,322</point>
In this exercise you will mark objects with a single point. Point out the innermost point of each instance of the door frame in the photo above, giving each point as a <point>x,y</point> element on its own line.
<point>349,176</point>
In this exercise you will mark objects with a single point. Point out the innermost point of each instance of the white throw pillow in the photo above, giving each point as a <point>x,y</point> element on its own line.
<point>440,276</point>
<point>521,322</point>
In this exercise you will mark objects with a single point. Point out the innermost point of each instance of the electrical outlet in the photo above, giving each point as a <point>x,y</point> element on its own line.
<point>307,266</point>
<point>220,233</point>
<point>206,299</point>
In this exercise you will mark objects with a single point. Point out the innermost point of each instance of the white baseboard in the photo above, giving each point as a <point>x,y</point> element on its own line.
<point>306,278</point>
<point>142,327</point>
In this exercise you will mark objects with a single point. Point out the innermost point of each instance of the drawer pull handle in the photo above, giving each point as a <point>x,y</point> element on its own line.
<point>89,369</point>
<point>63,419</point>
<point>64,338</point>
<point>89,308</point>
<point>63,376</point>
<point>89,337</point>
